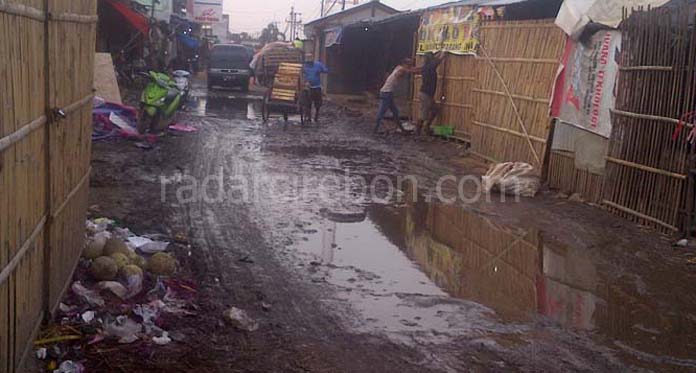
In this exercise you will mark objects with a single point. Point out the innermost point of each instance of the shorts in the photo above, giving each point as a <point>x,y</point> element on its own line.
<point>427,106</point>
<point>316,97</point>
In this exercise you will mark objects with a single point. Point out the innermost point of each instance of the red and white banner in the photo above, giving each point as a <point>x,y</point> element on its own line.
<point>205,11</point>
<point>585,91</point>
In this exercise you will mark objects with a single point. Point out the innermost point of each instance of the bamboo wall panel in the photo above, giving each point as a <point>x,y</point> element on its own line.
<point>25,187</point>
<point>565,177</point>
<point>646,168</point>
<point>456,82</point>
<point>526,55</point>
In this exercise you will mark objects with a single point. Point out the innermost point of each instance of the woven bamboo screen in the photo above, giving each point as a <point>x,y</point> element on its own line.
<point>646,168</point>
<point>47,49</point>
<point>517,66</point>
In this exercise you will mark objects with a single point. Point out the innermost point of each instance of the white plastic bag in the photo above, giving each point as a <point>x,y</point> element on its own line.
<point>512,178</point>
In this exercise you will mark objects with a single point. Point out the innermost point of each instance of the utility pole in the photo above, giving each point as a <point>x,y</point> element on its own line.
<point>322,9</point>
<point>295,23</point>
<point>343,6</point>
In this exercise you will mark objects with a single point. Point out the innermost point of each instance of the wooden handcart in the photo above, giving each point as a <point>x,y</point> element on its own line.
<point>286,93</point>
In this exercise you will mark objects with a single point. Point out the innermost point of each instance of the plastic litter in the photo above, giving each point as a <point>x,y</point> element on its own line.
<point>183,128</point>
<point>240,320</point>
<point>70,366</point>
<point>137,242</point>
<point>154,247</point>
<point>682,243</point>
<point>149,312</point>
<point>115,287</point>
<point>123,328</point>
<point>89,296</point>
<point>512,178</point>
<point>41,353</point>
<point>88,316</point>
<point>163,340</point>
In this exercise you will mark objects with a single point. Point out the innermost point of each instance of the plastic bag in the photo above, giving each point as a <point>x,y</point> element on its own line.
<point>512,178</point>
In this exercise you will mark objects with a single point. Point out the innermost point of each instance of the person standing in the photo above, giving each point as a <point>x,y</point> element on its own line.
<point>312,71</point>
<point>386,94</point>
<point>426,95</point>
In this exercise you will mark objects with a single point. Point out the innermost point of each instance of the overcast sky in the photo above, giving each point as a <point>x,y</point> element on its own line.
<point>253,15</point>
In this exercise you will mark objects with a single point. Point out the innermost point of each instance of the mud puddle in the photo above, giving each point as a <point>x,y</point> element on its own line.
<point>430,272</point>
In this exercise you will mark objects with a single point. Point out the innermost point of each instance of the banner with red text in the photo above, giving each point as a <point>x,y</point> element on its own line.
<point>589,80</point>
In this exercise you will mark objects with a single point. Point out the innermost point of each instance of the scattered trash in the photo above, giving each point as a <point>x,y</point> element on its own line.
<point>64,308</point>
<point>148,312</point>
<point>266,306</point>
<point>41,353</point>
<point>240,320</point>
<point>70,366</point>
<point>144,146</point>
<point>114,287</point>
<point>512,178</point>
<point>123,328</point>
<point>88,316</point>
<point>682,243</point>
<point>154,247</point>
<point>89,296</point>
<point>183,128</point>
<point>163,340</point>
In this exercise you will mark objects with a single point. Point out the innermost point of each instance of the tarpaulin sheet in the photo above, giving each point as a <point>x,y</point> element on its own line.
<point>574,15</point>
<point>137,20</point>
<point>585,92</point>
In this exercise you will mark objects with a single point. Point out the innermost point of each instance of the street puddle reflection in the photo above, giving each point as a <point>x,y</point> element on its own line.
<point>403,268</point>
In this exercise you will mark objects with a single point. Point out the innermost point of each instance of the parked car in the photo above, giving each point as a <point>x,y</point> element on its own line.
<point>229,66</point>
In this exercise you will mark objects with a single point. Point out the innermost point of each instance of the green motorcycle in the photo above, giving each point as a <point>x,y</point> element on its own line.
<point>159,101</point>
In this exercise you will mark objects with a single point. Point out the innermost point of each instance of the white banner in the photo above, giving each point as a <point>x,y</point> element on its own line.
<point>207,11</point>
<point>591,72</point>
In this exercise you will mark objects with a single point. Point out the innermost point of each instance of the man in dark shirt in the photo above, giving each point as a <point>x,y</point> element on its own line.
<point>428,109</point>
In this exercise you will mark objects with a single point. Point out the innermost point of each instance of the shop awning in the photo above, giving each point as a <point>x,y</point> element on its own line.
<point>137,20</point>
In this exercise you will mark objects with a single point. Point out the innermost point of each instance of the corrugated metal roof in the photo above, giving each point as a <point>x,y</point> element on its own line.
<point>351,10</point>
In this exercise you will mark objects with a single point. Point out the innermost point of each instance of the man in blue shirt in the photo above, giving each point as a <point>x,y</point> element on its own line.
<point>312,74</point>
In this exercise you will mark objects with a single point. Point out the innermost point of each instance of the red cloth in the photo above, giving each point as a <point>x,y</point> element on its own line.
<point>137,20</point>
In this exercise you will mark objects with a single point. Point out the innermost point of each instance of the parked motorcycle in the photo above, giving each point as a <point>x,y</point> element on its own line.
<point>160,100</point>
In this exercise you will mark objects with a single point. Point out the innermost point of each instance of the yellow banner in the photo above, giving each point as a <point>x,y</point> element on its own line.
<point>454,29</point>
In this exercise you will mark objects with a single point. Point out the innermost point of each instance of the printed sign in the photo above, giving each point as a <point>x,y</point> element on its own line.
<point>454,29</point>
<point>207,11</point>
<point>588,93</point>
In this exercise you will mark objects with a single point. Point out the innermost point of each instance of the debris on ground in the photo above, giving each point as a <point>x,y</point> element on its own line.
<point>240,319</point>
<point>512,178</point>
<point>124,293</point>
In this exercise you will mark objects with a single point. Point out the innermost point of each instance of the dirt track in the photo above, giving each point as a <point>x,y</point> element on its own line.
<point>339,283</point>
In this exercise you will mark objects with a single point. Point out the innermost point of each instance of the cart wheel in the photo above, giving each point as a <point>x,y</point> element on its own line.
<point>300,109</point>
<point>265,110</point>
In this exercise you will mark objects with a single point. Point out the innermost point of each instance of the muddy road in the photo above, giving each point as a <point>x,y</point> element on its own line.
<point>298,226</point>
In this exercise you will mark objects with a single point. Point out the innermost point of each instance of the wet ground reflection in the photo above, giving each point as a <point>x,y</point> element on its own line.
<point>398,255</point>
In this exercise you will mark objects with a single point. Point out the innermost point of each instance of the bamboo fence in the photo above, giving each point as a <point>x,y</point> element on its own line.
<point>499,101</point>
<point>647,171</point>
<point>517,67</point>
<point>47,49</point>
